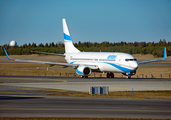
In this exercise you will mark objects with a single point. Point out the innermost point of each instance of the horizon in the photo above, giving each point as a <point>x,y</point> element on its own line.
<point>59,42</point>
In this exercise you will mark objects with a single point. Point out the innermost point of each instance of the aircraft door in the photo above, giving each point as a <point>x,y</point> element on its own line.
<point>67,58</point>
<point>95,59</point>
<point>119,60</point>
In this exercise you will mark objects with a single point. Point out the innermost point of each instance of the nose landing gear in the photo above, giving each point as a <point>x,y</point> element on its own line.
<point>129,74</point>
<point>128,77</point>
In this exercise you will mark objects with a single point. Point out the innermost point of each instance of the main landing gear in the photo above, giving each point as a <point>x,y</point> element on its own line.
<point>84,76</point>
<point>110,75</point>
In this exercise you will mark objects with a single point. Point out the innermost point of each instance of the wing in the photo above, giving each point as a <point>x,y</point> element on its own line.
<point>51,63</point>
<point>41,62</point>
<point>164,57</point>
<point>48,53</point>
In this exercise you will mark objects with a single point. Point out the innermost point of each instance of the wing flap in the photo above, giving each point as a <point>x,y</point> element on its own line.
<point>45,62</point>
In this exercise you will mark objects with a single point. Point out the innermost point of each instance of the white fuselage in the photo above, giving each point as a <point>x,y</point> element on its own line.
<point>106,61</point>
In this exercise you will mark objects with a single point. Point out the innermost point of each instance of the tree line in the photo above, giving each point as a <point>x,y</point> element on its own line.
<point>155,49</point>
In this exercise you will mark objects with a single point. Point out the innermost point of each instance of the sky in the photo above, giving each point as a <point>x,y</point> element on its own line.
<point>40,21</point>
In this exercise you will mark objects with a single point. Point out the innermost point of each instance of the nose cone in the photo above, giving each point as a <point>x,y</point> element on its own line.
<point>134,65</point>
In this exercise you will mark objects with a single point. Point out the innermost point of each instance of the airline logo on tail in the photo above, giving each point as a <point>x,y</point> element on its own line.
<point>66,31</point>
<point>69,47</point>
<point>67,37</point>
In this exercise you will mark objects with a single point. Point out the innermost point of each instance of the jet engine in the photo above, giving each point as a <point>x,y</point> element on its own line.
<point>83,70</point>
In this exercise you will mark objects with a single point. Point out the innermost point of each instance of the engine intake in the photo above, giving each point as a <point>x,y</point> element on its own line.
<point>83,70</point>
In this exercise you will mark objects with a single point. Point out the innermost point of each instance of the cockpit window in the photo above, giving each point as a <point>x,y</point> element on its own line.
<point>130,59</point>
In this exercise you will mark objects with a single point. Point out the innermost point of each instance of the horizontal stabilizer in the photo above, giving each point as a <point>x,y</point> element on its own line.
<point>48,53</point>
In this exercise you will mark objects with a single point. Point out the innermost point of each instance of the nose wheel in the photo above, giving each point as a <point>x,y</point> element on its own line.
<point>110,75</point>
<point>128,77</point>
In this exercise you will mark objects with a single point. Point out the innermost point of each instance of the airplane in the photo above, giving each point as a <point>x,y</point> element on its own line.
<point>87,62</point>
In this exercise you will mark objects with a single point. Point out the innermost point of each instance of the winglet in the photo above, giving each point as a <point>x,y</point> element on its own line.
<point>165,54</point>
<point>6,54</point>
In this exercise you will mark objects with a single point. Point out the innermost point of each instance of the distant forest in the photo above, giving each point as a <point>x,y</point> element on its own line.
<point>155,49</point>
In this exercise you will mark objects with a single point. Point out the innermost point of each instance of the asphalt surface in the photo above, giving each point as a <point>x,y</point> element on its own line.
<point>27,96</point>
<point>83,85</point>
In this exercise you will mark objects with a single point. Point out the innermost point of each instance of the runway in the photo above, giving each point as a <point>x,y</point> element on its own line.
<point>83,85</point>
<point>27,96</point>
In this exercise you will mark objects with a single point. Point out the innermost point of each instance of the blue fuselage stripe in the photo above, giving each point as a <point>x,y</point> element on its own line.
<point>112,64</point>
<point>119,67</point>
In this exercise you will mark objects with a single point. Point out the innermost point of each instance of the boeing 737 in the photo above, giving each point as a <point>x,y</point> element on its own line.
<point>87,62</point>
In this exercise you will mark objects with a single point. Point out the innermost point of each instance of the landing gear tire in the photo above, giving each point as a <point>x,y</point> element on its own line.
<point>128,77</point>
<point>84,76</point>
<point>110,75</point>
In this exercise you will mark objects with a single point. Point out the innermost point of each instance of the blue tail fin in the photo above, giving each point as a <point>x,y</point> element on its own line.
<point>69,47</point>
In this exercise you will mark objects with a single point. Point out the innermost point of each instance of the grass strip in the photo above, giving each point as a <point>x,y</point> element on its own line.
<point>45,70</point>
<point>166,94</point>
<point>54,118</point>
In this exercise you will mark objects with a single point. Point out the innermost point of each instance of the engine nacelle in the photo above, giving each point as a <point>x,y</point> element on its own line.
<point>129,73</point>
<point>83,70</point>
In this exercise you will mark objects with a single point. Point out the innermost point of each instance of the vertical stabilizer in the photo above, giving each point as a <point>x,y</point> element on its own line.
<point>69,47</point>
